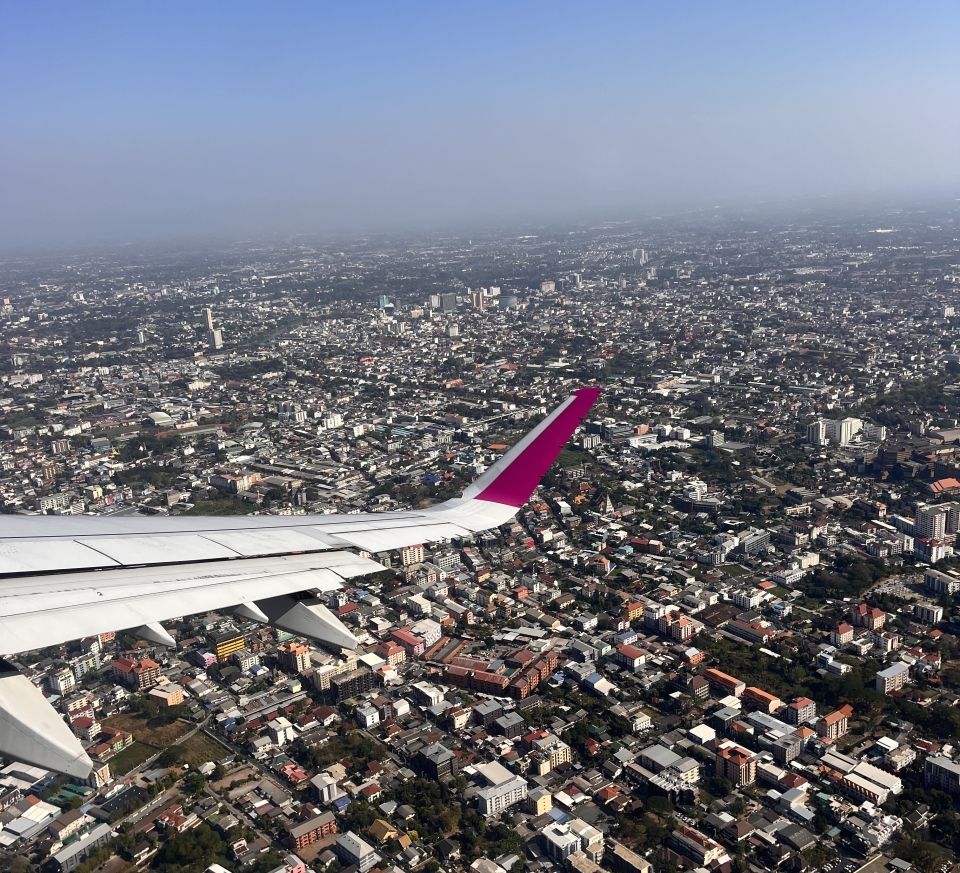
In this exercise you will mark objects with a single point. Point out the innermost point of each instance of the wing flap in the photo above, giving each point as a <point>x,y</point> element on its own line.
<point>182,548</point>
<point>43,611</point>
<point>39,556</point>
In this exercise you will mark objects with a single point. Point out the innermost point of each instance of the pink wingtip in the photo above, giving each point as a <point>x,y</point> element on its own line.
<point>518,480</point>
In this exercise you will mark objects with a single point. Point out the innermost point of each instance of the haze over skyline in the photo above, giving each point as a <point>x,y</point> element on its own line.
<point>136,122</point>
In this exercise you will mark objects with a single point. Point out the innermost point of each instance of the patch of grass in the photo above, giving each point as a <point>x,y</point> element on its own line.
<point>132,756</point>
<point>151,732</point>
<point>225,506</point>
<point>199,749</point>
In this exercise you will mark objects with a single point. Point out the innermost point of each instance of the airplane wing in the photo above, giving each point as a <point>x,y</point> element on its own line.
<point>62,578</point>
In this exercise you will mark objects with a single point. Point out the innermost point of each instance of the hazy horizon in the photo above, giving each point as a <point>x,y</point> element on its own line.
<point>137,123</point>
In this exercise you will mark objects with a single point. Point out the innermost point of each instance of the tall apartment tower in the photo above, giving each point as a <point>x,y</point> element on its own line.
<point>930,522</point>
<point>817,432</point>
<point>208,317</point>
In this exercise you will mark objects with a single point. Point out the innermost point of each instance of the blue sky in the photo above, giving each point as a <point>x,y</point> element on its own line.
<point>141,120</point>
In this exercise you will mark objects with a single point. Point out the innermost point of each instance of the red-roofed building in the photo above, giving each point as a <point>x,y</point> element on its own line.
<point>727,684</point>
<point>761,699</point>
<point>869,616</point>
<point>630,657</point>
<point>412,645</point>
<point>834,724</point>
<point>391,652</point>
<point>801,710</point>
<point>294,774</point>
<point>737,764</point>
<point>137,675</point>
<point>842,634</point>
<point>371,792</point>
<point>86,727</point>
<point>944,486</point>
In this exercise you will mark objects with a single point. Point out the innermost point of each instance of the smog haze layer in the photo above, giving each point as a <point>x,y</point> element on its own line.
<point>137,122</point>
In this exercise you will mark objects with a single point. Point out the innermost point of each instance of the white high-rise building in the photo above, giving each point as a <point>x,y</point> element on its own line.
<point>817,433</point>
<point>930,522</point>
<point>841,431</point>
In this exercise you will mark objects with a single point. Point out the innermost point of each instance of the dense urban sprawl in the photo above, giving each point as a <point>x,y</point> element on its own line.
<point>723,634</point>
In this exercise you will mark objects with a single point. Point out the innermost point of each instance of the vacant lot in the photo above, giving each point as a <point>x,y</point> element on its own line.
<point>132,756</point>
<point>153,733</point>
<point>199,749</point>
<point>240,775</point>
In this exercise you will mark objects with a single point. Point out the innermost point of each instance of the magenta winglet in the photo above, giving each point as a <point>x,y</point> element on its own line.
<point>517,481</point>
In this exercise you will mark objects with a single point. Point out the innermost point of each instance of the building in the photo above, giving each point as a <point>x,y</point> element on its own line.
<point>99,776</point>
<point>928,613</point>
<point>136,675</point>
<point>502,789</point>
<point>630,657</point>
<point>293,657</point>
<point>736,764</point>
<point>325,788</point>
<point>351,684</point>
<point>726,684</point>
<point>869,617</point>
<point>697,846</point>
<point>367,716</point>
<point>842,634</point>
<point>841,431</point>
<point>801,711</point>
<point>834,724</point>
<point>281,731</point>
<point>893,678</point>
<point>511,725</point>
<point>941,583</point>
<point>392,653</point>
<point>786,748</point>
<point>591,839</point>
<point>549,750</point>
<point>559,841</point>
<point>817,432</point>
<point>308,832</point>
<point>353,850</point>
<point>436,761</point>
<point>412,555</point>
<point>72,856</point>
<point>761,699</point>
<point>930,521</point>
<point>539,801</point>
<point>620,859</point>
<point>866,782</point>
<point>413,645</point>
<point>62,681</point>
<point>942,773</point>
<point>225,642</point>
<point>244,659</point>
<point>168,694</point>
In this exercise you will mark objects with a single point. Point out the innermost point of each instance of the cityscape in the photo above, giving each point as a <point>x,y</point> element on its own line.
<point>502,437</point>
<point>723,634</point>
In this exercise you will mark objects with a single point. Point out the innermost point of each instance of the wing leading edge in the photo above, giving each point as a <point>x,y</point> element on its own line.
<point>66,577</point>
